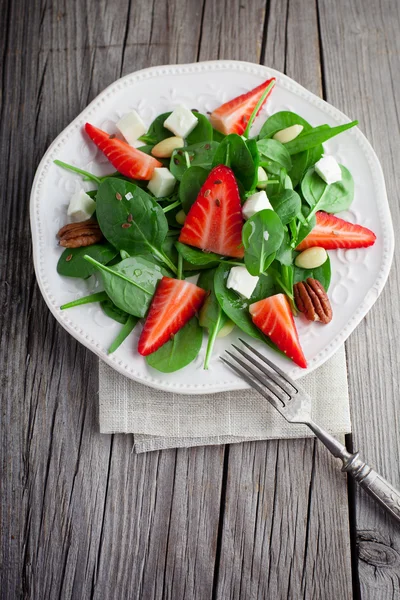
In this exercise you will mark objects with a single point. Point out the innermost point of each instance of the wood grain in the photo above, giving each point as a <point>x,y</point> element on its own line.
<point>81,515</point>
<point>360,75</point>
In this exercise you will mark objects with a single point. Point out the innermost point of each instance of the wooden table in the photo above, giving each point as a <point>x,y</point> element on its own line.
<point>81,515</point>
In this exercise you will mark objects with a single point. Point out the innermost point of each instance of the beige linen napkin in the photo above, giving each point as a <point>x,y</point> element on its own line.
<point>168,420</point>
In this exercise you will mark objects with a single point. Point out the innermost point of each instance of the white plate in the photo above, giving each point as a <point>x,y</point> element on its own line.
<point>358,276</point>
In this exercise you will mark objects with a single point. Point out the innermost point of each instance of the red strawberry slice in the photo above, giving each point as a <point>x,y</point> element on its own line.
<point>215,222</point>
<point>125,158</point>
<point>274,317</point>
<point>233,116</point>
<point>174,304</point>
<point>331,233</point>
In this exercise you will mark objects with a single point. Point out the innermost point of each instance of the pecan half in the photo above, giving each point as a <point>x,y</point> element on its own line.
<point>77,235</point>
<point>312,300</point>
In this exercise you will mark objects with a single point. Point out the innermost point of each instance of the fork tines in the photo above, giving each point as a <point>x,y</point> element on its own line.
<point>270,380</point>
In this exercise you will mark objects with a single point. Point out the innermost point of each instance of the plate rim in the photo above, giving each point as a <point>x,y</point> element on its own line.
<point>184,69</point>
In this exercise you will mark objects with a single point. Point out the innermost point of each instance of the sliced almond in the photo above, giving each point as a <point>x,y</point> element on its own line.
<point>288,134</point>
<point>165,148</point>
<point>311,258</point>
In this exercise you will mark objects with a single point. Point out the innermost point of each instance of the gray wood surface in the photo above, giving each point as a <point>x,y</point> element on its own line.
<point>81,516</point>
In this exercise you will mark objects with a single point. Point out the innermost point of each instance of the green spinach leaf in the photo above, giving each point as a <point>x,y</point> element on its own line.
<point>131,219</point>
<point>235,153</point>
<point>128,327</point>
<point>198,257</point>
<point>316,136</point>
<point>157,132</point>
<point>332,198</point>
<point>322,274</point>
<point>262,236</point>
<point>211,315</point>
<point>203,132</point>
<point>287,205</point>
<point>191,184</point>
<point>72,264</point>
<point>131,283</point>
<point>97,297</point>
<point>199,155</point>
<point>281,120</point>
<point>274,155</point>
<point>113,311</point>
<point>178,352</point>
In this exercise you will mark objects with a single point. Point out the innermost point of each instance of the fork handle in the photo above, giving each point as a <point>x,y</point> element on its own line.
<point>375,485</point>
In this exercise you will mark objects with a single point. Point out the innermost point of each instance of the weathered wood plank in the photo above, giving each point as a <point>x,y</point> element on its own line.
<point>361,75</point>
<point>81,515</point>
<point>285,528</point>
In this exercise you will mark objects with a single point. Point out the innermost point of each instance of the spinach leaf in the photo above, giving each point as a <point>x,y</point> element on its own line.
<point>218,136</point>
<point>113,311</point>
<point>199,155</point>
<point>332,198</point>
<point>198,257</point>
<point>237,308</point>
<point>240,159</point>
<point>191,184</point>
<point>262,236</point>
<point>203,132</point>
<point>157,132</point>
<point>303,230</point>
<point>179,351</point>
<point>322,274</point>
<point>131,219</point>
<point>97,297</point>
<point>72,264</point>
<point>315,137</point>
<point>131,283</point>
<point>211,315</point>
<point>287,205</point>
<point>123,334</point>
<point>285,253</point>
<point>281,120</point>
<point>273,155</point>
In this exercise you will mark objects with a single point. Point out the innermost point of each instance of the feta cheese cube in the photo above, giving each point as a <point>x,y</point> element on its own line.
<point>328,169</point>
<point>262,179</point>
<point>240,280</point>
<point>162,182</point>
<point>81,206</point>
<point>255,203</point>
<point>288,134</point>
<point>132,127</point>
<point>181,121</point>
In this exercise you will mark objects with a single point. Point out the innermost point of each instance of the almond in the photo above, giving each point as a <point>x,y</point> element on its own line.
<point>311,258</point>
<point>165,148</point>
<point>288,134</point>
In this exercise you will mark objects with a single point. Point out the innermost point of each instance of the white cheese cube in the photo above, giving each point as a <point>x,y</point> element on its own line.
<point>81,206</point>
<point>162,182</point>
<point>181,121</point>
<point>240,280</point>
<point>132,127</point>
<point>328,169</point>
<point>262,179</point>
<point>255,203</point>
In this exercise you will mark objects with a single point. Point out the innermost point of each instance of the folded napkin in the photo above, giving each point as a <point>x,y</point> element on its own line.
<point>167,420</point>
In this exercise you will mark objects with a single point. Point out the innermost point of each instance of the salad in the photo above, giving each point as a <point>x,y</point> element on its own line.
<point>204,228</point>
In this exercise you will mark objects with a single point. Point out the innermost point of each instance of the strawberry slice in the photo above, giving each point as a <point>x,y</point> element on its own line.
<point>274,317</point>
<point>174,304</point>
<point>331,233</point>
<point>125,158</point>
<point>233,116</point>
<point>215,222</point>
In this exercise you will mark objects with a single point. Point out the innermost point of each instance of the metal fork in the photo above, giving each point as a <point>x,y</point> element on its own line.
<point>294,404</point>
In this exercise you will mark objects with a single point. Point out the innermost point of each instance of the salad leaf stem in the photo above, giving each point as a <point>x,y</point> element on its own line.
<point>171,206</point>
<point>74,169</point>
<point>187,159</point>
<point>212,336</point>
<point>123,334</point>
<point>257,108</point>
<point>180,266</point>
<point>97,297</point>
<point>164,258</point>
